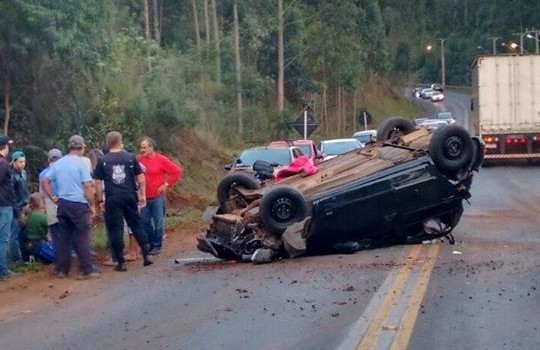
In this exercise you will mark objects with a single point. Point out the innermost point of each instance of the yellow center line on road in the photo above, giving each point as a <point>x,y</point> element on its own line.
<point>371,335</point>
<point>404,330</point>
<point>406,326</point>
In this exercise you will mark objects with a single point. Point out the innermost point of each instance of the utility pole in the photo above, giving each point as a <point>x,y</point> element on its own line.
<point>443,76</point>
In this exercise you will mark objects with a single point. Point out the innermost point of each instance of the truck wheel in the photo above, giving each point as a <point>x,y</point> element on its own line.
<point>281,207</point>
<point>226,186</point>
<point>393,127</point>
<point>451,149</point>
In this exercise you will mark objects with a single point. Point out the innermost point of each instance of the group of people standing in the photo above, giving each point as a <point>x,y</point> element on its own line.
<point>71,189</point>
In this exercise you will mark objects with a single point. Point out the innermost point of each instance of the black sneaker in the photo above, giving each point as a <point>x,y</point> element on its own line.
<point>90,275</point>
<point>121,267</point>
<point>147,261</point>
<point>60,274</point>
<point>154,251</point>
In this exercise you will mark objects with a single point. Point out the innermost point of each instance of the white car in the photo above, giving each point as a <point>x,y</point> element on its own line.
<point>432,124</point>
<point>366,136</point>
<point>333,148</point>
<point>426,93</point>
<point>447,116</point>
<point>437,96</point>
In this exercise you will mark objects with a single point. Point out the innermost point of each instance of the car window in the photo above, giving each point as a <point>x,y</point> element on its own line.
<point>306,149</point>
<point>365,138</point>
<point>282,156</point>
<point>340,147</point>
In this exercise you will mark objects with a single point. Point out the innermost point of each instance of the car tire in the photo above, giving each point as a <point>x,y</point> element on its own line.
<point>281,207</point>
<point>451,149</point>
<point>230,181</point>
<point>478,155</point>
<point>393,127</point>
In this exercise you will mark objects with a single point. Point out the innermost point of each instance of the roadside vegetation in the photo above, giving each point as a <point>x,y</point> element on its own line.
<point>206,78</point>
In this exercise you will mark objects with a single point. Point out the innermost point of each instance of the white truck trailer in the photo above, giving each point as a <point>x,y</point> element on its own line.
<point>506,105</point>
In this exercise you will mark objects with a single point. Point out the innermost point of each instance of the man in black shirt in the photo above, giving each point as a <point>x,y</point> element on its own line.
<point>123,178</point>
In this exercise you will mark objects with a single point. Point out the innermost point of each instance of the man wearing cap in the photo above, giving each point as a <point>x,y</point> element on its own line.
<point>20,189</point>
<point>6,207</point>
<point>75,200</point>
<point>50,207</point>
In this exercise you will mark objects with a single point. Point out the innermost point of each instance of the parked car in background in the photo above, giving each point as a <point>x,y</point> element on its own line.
<point>446,116</point>
<point>418,121</point>
<point>335,147</point>
<point>308,148</point>
<point>366,136</point>
<point>426,93</point>
<point>432,124</point>
<point>437,96</point>
<point>255,167</point>
<point>436,87</point>
<point>277,156</point>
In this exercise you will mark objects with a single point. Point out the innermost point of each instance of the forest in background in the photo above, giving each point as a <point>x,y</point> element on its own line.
<point>235,71</point>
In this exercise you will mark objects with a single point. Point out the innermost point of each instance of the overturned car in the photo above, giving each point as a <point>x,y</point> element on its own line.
<point>407,187</point>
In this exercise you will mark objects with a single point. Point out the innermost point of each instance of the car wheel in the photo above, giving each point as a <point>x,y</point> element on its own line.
<point>478,154</point>
<point>226,186</point>
<point>451,149</point>
<point>394,127</point>
<point>281,207</point>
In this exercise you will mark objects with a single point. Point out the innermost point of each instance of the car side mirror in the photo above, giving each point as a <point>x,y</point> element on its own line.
<point>227,167</point>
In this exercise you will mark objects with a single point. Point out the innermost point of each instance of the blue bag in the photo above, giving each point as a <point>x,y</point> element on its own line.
<point>45,251</point>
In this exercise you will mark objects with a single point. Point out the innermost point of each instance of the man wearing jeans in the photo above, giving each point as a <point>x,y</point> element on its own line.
<point>20,190</point>
<point>6,207</point>
<point>161,174</point>
<point>125,191</point>
<point>75,209</point>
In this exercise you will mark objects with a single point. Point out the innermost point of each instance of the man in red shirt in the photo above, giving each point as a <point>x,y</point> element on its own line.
<point>161,174</point>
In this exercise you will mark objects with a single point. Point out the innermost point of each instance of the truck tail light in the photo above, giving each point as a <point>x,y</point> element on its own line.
<point>515,141</point>
<point>491,139</point>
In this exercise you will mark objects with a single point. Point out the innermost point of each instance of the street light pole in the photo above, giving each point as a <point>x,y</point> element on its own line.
<point>536,36</point>
<point>528,33</point>
<point>443,77</point>
<point>494,44</point>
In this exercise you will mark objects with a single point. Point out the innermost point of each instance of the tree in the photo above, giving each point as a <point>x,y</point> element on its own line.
<point>281,61</point>
<point>196,23</point>
<point>146,20</point>
<point>215,26</point>
<point>238,69</point>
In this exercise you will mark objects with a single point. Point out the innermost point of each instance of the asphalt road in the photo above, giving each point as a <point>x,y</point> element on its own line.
<point>456,102</point>
<point>481,293</point>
